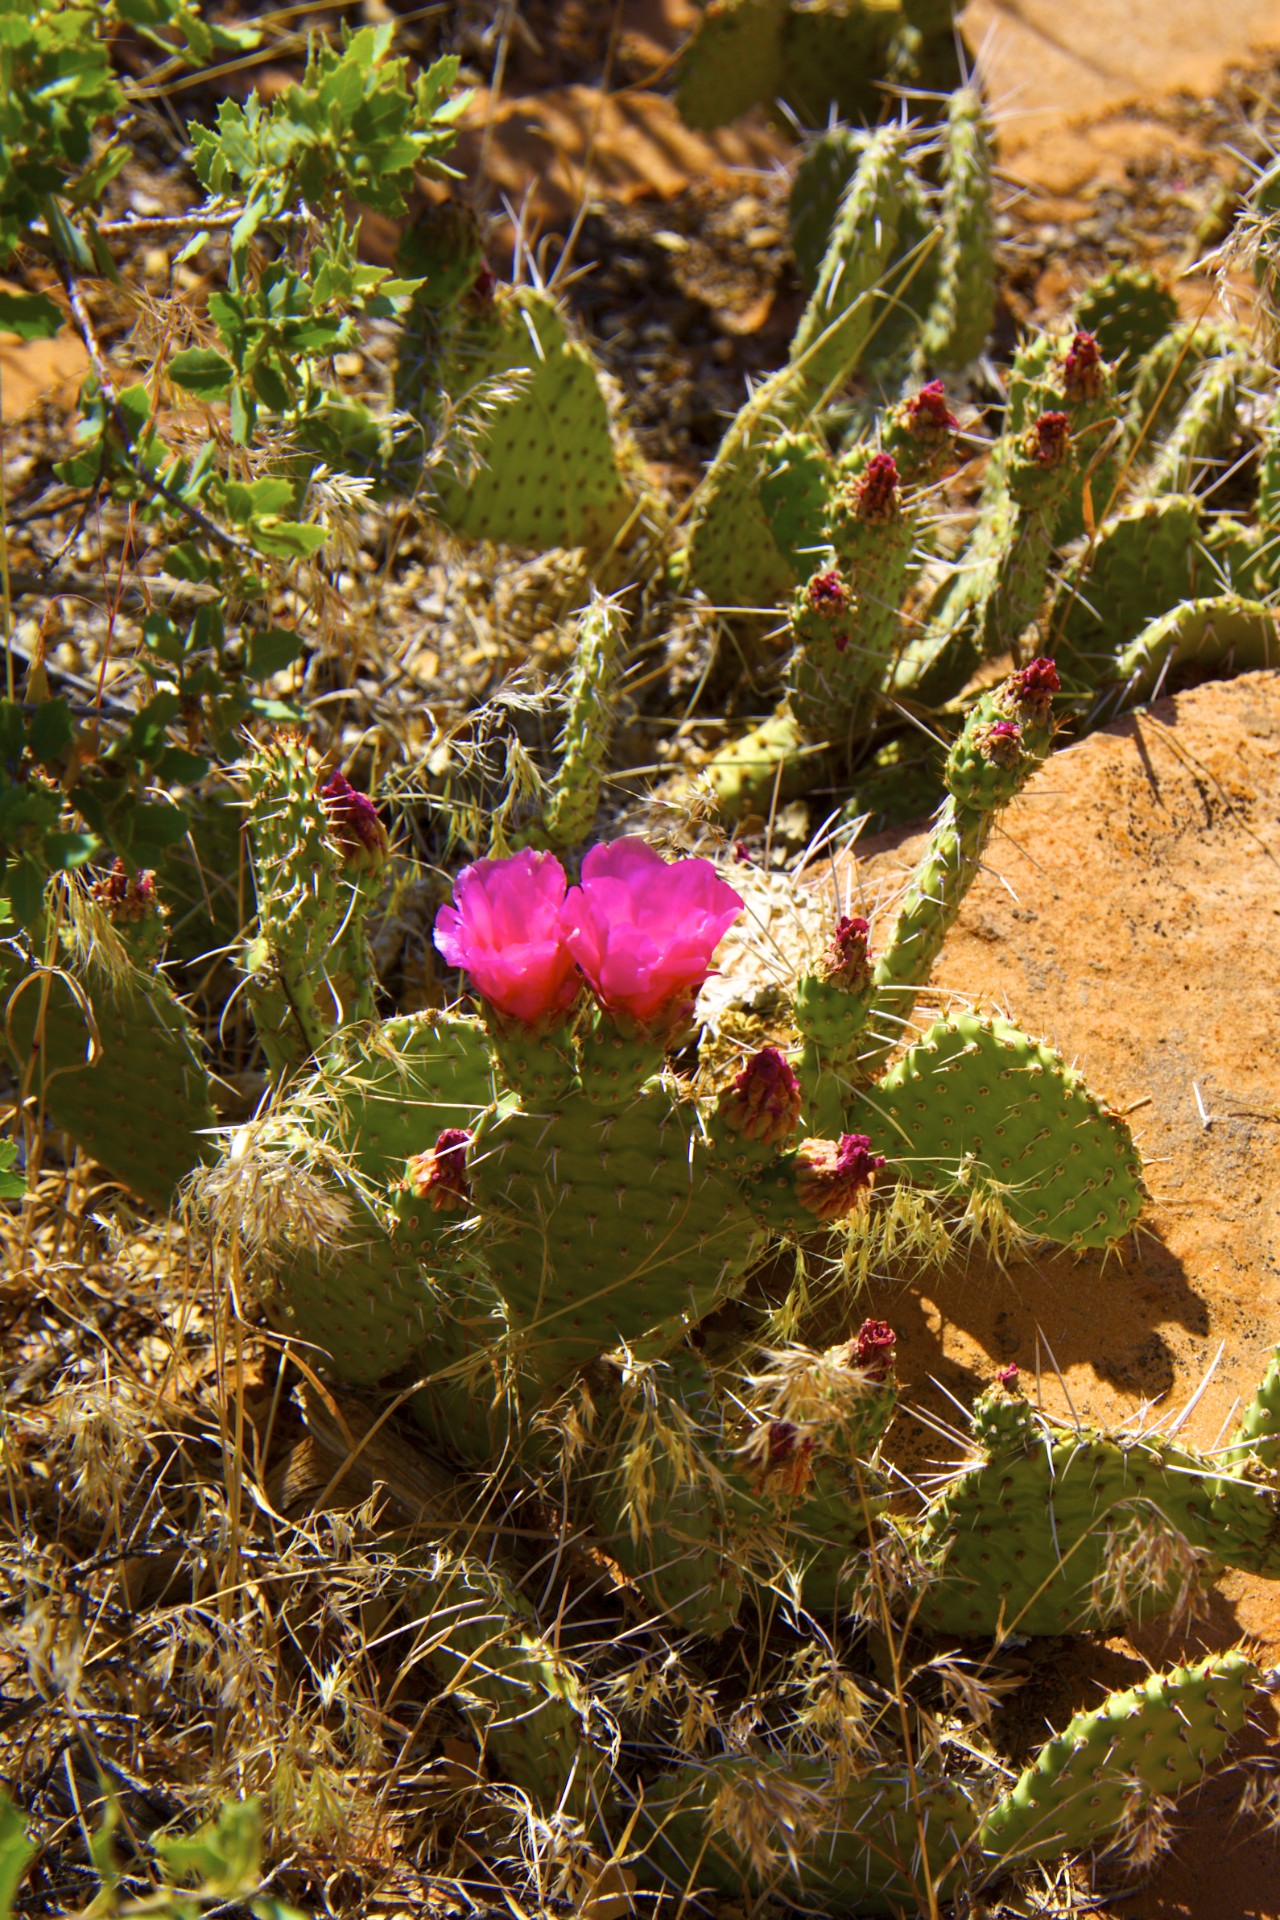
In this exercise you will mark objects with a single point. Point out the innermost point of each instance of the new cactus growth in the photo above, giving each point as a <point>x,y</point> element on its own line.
<point>959,319</point>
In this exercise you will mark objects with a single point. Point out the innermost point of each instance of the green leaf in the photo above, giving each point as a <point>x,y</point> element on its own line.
<point>260,496</point>
<point>13,730</point>
<point>49,733</point>
<point>201,371</point>
<point>26,891</point>
<point>271,650</point>
<point>12,1187</point>
<point>66,851</point>
<point>151,828</point>
<point>186,562</point>
<point>31,316</point>
<point>244,414</point>
<point>181,767</point>
<point>222,1856</point>
<point>16,1851</point>
<point>135,405</point>
<point>145,739</point>
<point>287,539</point>
<point>281,713</point>
<point>271,387</point>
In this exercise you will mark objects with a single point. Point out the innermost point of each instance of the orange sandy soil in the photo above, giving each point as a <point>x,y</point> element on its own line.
<point>1130,913</point>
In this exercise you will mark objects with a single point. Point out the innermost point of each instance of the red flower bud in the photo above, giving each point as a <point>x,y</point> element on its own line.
<point>1028,694</point>
<point>440,1175</point>
<point>847,961</point>
<point>1001,743</point>
<point>873,1348</point>
<point>928,414</point>
<point>876,491</point>
<point>1082,368</point>
<point>765,1100</point>
<point>127,898</point>
<point>353,823</point>
<point>827,594</point>
<point>1049,439</point>
<point>834,1176</point>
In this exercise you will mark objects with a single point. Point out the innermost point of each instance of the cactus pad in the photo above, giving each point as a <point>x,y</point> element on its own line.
<point>1095,1780</point>
<point>142,1109</point>
<point>979,1102</point>
<point>551,474</point>
<point>1057,1529</point>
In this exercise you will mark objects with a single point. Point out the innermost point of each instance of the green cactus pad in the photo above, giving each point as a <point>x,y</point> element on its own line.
<point>143,1108</point>
<point>835,53</point>
<point>1128,310</point>
<point>1203,430</point>
<point>854,1849</point>
<point>526,1701</point>
<point>1058,1529</point>
<point>772,758</point>
<point>977,1102</point>
<point>984,769</point>
<point>1092,1784</point>
<point>662,1503</point>
<point>604,1226</point>
<point>733,60</point>
<point>370,1303</point>
<point>309,966</point>
<point>1220,634</point>
<point>959,320</point>
<point>794,487</point>
<point>1268,502</point>
<point>934,666</point>
<point>842,310</point>
<point>824,170</point>
<point>574,798</point>
<point>1143,562</point>
<point>731,554</point>
<point>552,475</point>
<point>1158,386</point>
<point>1258,1433</point>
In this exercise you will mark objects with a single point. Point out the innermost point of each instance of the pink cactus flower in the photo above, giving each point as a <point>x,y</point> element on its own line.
<point>643,931</point>
<point>1007,1377</point>
<point>504,928</point>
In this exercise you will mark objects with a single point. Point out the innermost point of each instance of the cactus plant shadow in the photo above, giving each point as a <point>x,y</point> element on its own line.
<point>1107,1314</point>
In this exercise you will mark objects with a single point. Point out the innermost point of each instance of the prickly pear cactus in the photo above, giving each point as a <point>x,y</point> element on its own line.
<point>548,470</point>
<point>1055,1529</point>
<point>979,1106</point>
<point>958,322</point>
<point>574,798</point>
<point>318,850</point>
<point>101,1044</point>
<point>1112,1770</point>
